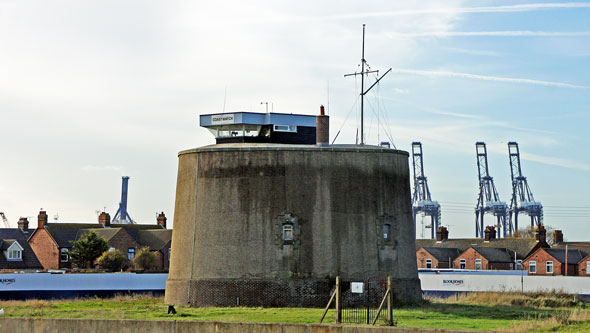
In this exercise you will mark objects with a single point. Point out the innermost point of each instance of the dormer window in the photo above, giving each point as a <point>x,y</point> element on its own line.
<point>14,252</point>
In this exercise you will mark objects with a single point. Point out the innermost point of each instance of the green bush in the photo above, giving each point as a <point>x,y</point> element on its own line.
<point>144,259</point>
<point>112,260</point>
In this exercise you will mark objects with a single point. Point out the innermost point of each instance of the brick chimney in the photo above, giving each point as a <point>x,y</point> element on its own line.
<point>442,234</point>
<point>42,219</point>
<point>105,219</point>
<point>23,224</point>
<point>322,129</point>
<point>557,237</point>
<point>490,233</point>
<point>162,220</point>
<point>541,235</point>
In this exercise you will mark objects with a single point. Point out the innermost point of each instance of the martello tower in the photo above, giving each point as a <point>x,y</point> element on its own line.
<point>269,215</point>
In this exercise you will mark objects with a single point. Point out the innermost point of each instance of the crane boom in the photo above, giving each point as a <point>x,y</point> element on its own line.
<point>421,200</point>
<point>522,196</point>
<point>488,200</point>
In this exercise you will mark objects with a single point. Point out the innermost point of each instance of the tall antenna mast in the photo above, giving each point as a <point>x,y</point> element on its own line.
<point>363,92</point>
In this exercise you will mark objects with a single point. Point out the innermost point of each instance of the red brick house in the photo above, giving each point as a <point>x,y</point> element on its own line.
<point>584,267</point>
<point>52,241</point>
<point>436,257</point>
<point>521,246</point>
<point>553,262</point>
<point>486,258</point>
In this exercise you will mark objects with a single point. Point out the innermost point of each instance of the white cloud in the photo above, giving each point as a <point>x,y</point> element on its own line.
<point>488,78</point>
<point>504,33</point>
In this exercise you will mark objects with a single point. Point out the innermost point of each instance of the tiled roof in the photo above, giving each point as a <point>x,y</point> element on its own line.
<point>12,233</point>
<point>573,256</point>
<point>133,229</point>
<point>63,233</point>
<point>29,261</point>
<point>442,253</point>
<point>155,239</point>
<point>495,254</point>
<point>522,246</point>
<point>106,233</point>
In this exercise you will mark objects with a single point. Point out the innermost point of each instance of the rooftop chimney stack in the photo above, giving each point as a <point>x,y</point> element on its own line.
<point>23,224</point>
<point>442,234</point>
<point>105,219</point>
<point>490,233</point>
<point>557,237</point>
<point>541,235</point>
<point>162,220</point>
<point>42,219</point>
<point>322,129</point>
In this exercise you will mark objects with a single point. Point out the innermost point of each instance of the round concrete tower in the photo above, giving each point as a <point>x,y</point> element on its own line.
<point>274,224</point>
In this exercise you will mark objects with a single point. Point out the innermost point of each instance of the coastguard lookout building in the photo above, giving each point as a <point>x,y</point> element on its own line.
<point>272,213</point>
<point>261,127</point>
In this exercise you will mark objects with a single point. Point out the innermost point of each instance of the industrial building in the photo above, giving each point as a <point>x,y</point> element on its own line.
<point>264,223</point>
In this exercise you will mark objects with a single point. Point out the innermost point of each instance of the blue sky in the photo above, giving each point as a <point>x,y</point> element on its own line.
<point>91,91</point>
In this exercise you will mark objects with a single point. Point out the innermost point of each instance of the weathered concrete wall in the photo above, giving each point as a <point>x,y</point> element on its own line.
<point>51,325</point>
<point>232,202</point>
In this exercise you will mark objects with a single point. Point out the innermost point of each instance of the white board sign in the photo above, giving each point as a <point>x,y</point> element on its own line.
<point>219,119</point>
<point>357,287</point>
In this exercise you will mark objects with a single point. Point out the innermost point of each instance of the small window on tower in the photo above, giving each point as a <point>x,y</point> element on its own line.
<point>387,232</point>
<point>287,232</point>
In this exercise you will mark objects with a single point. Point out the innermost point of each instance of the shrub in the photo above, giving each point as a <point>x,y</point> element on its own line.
<point>144,259</point>
<point>112,260</point>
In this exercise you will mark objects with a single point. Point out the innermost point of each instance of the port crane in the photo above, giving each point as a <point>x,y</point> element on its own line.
<point>122,216</point>
<point>4,220</point>
<point>522,196</point>
<point>421,200</point>
<point>488,200</point>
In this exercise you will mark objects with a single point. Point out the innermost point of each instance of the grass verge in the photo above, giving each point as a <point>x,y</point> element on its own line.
<point>484,311</point>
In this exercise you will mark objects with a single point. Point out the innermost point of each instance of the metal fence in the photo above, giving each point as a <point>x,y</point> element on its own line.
<point>362,302</point>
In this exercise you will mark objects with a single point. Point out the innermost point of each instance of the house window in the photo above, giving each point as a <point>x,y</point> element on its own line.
<point>428,263</point>
<point>519,264</point>
<point>169,253</point>
<point>532,267</point>
<point>63,255</point>
<point>386,231</point>
<point>588,267</point>
<point>287,232</point>
<point>15,254</point>
<point>131,253</point>
<point>111,249</point>
<point>478,264</point>
<point>462,264</point>
<point>549,267</point>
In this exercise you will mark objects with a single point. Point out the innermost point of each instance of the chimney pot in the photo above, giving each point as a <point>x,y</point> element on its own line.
<point>162,220</point>
<point>23,224</point>
<point>104,218</point>
<point>557,237</point>
<point>42,219</point>
<point>442,234</point>
<point>541,235</point>
<point>322,128</point>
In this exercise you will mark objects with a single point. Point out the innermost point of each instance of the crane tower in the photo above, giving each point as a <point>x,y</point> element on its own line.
<point>488,200</point>
<point>421,201</point>
<point>522,197</point>
<point>122,217</point>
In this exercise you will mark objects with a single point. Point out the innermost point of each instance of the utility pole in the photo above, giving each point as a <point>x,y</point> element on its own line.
<point>363,92</point>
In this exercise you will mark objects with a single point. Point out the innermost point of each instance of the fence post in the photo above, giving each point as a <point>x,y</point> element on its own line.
<point>338,301</point>
<point>389,302</point>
